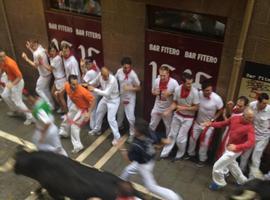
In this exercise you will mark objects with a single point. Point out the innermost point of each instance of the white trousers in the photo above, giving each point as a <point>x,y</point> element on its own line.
<point>197,129</point>
<point>156,116</point>
<point>110,107</point>
<point>13,98</point>
<point>128,111</point>
<point>146,172</point>
<point>256,152</point>
<point>93,118</point>
<point>227,160</point>
<point>43,89</point>
<point>52,141</point>
<point>179,135</point>
<point>4,80</point>
<point>71,123</point>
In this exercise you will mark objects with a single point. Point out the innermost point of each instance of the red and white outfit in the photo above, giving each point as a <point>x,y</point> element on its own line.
<point>82,100</point>
<point>58,72</point>
<point>262,135</point>
<point>242,135</point>
<point>43,82</point>
<point>182,120</point>
<point>127,98</point>
<point>207,110</point>
<point>225,135</point>
<point>71,67</point>
<point>162,103</point>
<point>90,75</point>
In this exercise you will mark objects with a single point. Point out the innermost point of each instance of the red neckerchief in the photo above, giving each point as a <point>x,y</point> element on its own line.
<point>67,57</point>
<point>209,97</point>
<point>184,92</point>
<point>127,73</point>
<point>163,84</point>
<point>94,67</point>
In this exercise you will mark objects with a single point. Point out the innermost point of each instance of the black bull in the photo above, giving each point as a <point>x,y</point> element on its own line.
<point>261,189</point>
<point>64,177</point>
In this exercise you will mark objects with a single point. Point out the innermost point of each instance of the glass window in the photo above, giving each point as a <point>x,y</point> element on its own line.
<point>186,22</point>
<point>89,7</point>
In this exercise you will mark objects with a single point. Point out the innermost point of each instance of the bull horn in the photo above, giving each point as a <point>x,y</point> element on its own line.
<point>246,195</point>
<point>8,166</point>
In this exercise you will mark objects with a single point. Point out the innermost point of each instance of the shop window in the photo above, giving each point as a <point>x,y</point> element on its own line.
<point>172,20</point>
<point>87,7</point>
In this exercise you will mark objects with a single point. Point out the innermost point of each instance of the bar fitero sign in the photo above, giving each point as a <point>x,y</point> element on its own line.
<point>81,33</point>
<point>180,53</point>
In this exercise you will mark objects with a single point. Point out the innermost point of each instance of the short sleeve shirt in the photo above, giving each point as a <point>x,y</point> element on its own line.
<point>192,99</point>
<point>131,80</point>
<point>38,54</point>
<point>162,102</point>
<point>208,107</point>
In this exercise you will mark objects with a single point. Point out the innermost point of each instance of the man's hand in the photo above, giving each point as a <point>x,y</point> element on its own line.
<point>206,124</point>
<point>28,45</point>
<point>166,94</point>
<point>156,91</point>
<point>127,87</point>
<point>231,147</point>
<point>166,113</point>
<point>9,85</point>
<point>82,62</point>
<point>181,108</point>
<point>91,88</point>
<point>24,56</point>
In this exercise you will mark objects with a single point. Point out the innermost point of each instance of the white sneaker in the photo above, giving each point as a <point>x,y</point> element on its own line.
<point>63,134</point>
<point>115,142</point>
<point>12,113</point>
<point>77,150</point>
<point>94,132</point>
<point>27,122</point>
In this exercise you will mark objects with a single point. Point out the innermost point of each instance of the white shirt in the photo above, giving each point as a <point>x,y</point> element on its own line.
<point>208,107</point>
<point>90,75</point>
<point>41,53</point>
<point>193,98</point>
<point>161,101</point>
<point>72,67</point>
<point>132,80</point>
<point>58,67</point>
<point>261,120</point>
<point>109,88</point>
<point>43,119</point>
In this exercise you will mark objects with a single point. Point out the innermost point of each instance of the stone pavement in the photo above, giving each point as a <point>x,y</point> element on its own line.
<point>182,176</point>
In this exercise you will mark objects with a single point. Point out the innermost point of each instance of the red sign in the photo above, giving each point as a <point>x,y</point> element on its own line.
<point>83,34</point>
<point>180,53</point>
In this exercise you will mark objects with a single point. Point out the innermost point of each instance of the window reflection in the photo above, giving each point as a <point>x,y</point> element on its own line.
<point>187,22</point>
<point>91,7</point>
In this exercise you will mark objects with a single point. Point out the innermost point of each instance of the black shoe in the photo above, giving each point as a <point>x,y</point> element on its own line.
<point>186,157</point>
<point>200,163</point>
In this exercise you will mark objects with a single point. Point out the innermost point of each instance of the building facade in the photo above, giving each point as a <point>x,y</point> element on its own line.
<point>116,28</point>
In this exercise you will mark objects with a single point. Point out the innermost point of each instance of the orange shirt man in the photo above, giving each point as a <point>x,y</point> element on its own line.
<point>79,112</point>
<point>12,93</point>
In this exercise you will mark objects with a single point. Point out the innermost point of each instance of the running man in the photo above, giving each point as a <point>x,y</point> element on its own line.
<point>13,89</point>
